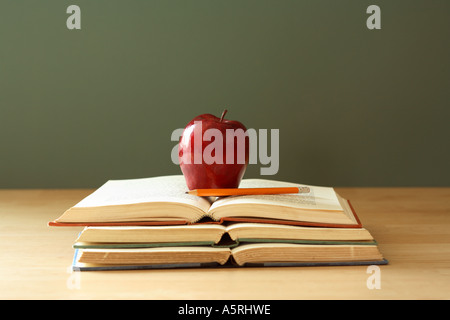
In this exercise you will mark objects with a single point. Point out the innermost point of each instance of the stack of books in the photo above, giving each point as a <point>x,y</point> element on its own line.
<point>154,223</point>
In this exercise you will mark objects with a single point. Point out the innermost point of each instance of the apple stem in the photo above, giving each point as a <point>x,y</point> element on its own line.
<point>223,114</point>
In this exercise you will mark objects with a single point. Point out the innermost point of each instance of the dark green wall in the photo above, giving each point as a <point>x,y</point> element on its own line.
<point>354,107</point>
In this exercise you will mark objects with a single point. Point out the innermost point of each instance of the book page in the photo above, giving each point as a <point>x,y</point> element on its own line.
<point>132,191</point>
<point>319,198</point>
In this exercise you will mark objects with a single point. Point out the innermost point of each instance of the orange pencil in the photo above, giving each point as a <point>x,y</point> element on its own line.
<point>246,191</point>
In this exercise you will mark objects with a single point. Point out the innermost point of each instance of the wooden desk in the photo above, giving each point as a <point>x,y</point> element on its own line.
<point>412,226</point>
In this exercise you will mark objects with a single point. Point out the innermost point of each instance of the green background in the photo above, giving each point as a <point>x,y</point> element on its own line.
<point>355,107</point>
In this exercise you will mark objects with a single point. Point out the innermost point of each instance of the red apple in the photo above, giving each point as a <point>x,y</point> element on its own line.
<point>213,152</point>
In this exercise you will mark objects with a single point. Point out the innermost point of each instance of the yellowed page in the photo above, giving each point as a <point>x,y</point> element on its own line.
<point>319,198</point>
<point>149,234</point>
<point>277,231</point>
<point>134,191</point>
<point>286,252</point>
<point>154,255</point>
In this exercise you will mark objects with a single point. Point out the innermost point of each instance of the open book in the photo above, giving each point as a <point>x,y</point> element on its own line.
<point>216,235</point>
<point>257,254</point>
<point>163,200</point>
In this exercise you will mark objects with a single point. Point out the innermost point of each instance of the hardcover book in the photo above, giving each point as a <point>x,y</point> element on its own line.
<point>164,201</point>
<point>216,235</point>
<point>254,254</point>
